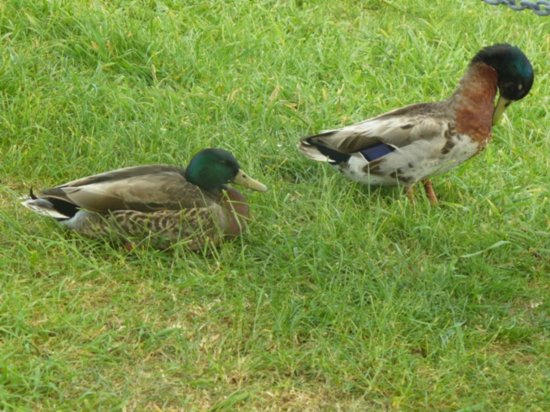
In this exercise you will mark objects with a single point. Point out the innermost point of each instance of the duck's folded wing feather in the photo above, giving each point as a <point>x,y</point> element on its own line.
<point>397,129</point>
<point>142,189</point>
<point>393,131</point>
<point>124,173</point>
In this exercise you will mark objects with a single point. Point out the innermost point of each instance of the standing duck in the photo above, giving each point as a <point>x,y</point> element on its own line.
<point>411,144</point>
<point>161,203</point>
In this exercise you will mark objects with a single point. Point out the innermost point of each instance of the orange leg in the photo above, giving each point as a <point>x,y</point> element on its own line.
<point>430,192</point>
<point>409,191</point>
<point>129,246</point>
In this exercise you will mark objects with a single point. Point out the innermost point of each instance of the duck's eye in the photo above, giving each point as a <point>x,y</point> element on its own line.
<point>520,87</point>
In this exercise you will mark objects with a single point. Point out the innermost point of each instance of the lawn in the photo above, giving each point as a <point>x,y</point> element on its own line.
<point>339,297</point>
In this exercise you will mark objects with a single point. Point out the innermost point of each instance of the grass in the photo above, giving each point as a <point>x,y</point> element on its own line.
<point>339,297</point>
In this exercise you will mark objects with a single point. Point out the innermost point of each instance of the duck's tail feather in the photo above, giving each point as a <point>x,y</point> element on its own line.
<point>314,148</point>
<point>47,207</point>
<point>44,207</point>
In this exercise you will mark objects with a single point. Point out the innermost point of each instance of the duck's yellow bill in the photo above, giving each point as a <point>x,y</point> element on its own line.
<point>244,180</point>
<point>501,105</point>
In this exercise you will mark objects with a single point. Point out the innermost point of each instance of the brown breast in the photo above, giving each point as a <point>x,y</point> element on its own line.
<point>237,210</point>
<point>475,103</point>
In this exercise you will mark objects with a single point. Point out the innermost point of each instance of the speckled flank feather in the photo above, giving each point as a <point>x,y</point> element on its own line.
<point>195,228</point>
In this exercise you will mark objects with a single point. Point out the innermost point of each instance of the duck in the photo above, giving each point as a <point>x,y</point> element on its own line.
<point>410,144</point>
<point>158,203</point>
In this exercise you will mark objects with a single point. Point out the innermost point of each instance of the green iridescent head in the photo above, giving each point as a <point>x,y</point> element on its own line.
<point>211,169</point>
<point>514,70</point>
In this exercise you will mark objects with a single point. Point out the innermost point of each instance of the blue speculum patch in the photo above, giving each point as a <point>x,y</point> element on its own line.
<point>376,151</point>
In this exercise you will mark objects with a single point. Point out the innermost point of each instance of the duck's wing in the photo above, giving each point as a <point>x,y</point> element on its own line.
<point>380,135</point>
<point>140,188</point>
